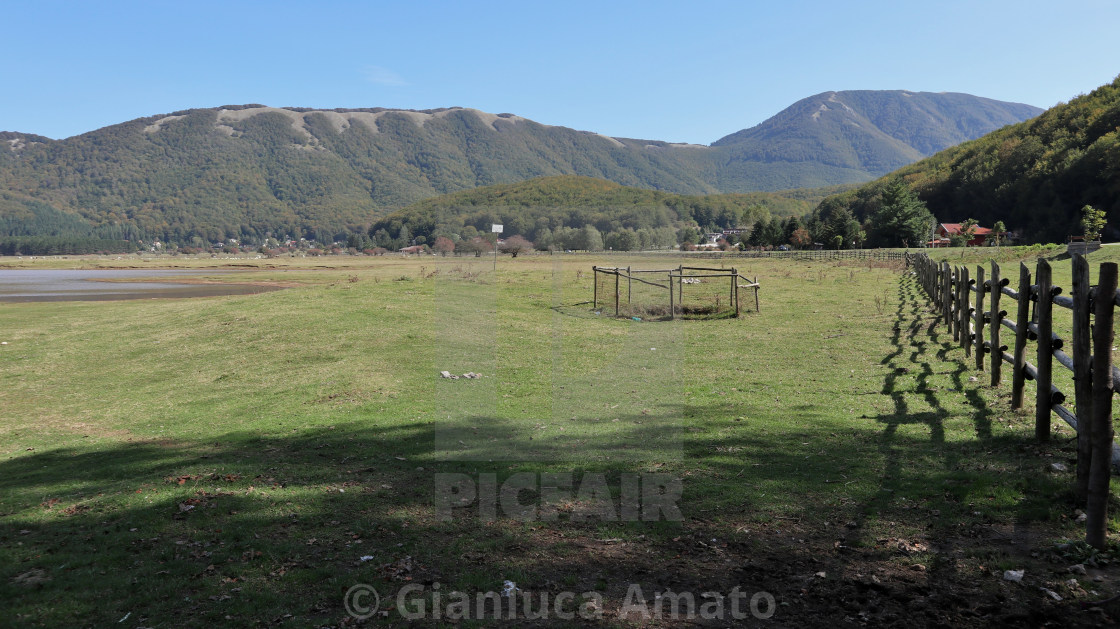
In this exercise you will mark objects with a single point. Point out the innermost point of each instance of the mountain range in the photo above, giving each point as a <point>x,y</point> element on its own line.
<point>246,170</point>
<point>1035,176</point>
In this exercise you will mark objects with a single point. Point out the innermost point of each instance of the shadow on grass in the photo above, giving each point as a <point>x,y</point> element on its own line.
<point>249,529</point>
<point>956,491</point>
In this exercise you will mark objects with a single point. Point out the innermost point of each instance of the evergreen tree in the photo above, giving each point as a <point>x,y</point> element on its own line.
<point>757,237</point>
<point>773,235</point>
<point>789,228</point>
<point>841,227</point>
<point>902,219</point>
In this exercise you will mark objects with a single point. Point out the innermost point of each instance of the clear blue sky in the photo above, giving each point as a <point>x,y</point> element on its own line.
<point>675,71</point>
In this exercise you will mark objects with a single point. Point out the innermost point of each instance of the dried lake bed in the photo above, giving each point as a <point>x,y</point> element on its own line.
<point>24,285</point>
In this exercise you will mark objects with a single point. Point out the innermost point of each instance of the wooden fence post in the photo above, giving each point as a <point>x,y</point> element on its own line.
<point>923,264</point>
<point>933,277</point>
<point>997,325</point>
<point>947,296</point>
<point>951,301</point>
<point>731,290</point>
<point>672,306</point>
<point>1096,510</point>
<point>1082,372</point>
<point>595,290</point>
<point>937,277</point>
<point>628,287</point>
<point>616,292</point>
<point>680,287</point>
<point>1022,318</point>
<point>1043,309</point>
<point>955,302</point>
<point>981,288</point>
<point>965,312</point>
<point>735,288</point>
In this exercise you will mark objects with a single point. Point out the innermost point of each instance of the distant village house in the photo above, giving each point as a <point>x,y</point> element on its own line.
<point>945,231</point>
<point>712,240</point>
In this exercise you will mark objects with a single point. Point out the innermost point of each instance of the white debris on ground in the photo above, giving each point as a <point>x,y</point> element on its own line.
<point>470,375</point>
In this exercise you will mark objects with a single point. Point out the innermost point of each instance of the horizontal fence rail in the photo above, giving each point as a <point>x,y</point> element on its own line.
<point>959,299</point>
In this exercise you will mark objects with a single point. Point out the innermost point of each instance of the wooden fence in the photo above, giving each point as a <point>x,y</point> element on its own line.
<point>825,254</point>
<point>799,254</point>
<point>960,300</point>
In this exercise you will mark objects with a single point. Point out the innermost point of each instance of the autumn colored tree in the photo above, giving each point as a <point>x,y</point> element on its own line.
<point>515,245</point>
<point>483,244</point>
<point>800,237</point>
<point>443,245</point>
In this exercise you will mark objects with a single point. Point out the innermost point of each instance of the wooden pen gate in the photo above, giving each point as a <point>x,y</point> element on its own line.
<point>684,291</point>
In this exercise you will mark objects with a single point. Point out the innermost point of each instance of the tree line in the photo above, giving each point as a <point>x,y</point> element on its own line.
<point>569,212</point>
<point>62,245</point>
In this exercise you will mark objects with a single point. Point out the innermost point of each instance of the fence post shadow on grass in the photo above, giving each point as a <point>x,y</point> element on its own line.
<point>902,413</point>
<point>911,381</point>
<point>908,293</point>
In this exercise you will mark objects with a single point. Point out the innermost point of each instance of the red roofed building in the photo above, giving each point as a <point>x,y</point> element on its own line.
<point>945,231</point>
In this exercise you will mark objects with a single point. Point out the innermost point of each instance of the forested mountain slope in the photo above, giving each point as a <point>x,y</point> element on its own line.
<point>247,170</point>
<point>1035,176</point>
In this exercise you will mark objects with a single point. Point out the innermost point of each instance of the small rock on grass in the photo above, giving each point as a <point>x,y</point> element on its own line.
<point>1051,593</point>
<point>470,375</point>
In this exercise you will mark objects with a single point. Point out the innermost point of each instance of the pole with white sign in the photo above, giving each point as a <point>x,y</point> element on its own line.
<point>495,229</point>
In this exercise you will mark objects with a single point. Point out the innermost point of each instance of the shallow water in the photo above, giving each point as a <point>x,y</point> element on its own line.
<point>22,285</point>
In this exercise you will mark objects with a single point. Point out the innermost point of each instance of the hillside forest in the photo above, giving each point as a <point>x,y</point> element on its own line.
<point>1036,177</point>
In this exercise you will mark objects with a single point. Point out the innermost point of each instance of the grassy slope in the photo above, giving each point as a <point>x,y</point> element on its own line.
<point>299,427</point>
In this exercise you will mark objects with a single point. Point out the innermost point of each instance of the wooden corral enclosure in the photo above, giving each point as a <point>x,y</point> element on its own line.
<point>662,292</point>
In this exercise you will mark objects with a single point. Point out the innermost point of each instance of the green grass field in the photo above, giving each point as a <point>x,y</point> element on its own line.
<point>231,461</point>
